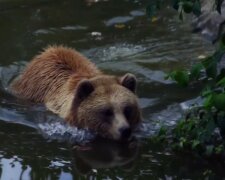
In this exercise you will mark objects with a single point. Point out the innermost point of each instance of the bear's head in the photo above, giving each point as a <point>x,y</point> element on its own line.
<point>107,105</point>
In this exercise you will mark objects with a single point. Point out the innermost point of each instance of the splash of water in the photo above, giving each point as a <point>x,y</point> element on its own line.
<point>64,132</point>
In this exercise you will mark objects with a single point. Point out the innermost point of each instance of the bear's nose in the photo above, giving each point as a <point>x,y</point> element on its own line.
<point>125,132</point>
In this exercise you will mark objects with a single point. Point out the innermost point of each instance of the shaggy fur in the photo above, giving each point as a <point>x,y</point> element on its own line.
<point>72,87</point>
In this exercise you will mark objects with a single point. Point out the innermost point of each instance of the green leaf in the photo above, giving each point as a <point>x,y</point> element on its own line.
<point>219,149</point>
<point>210,65</point>
<point>219,101</point>
<point>211,70</point>
<point>206,92</point>
<point>195,71</point>
<point>181,77</point>
<point>208,102</point>
<point>221,82</point>
<point>197,8</point>
<point>162,131</point>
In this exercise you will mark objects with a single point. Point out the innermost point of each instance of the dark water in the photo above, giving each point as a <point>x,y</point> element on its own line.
<point>119,38</point>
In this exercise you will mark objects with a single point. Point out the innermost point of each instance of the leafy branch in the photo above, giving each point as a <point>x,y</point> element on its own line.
<point>203,129</point>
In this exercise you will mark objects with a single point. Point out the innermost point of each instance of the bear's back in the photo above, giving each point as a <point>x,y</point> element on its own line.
<point>48,72</point>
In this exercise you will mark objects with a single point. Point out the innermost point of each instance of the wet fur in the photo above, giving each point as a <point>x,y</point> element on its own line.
<point>54,78</point>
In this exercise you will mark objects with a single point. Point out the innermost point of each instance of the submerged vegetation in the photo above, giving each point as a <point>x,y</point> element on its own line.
<point>203,128</point>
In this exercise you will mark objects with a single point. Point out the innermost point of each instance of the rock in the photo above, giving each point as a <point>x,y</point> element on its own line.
<point>210,22</point>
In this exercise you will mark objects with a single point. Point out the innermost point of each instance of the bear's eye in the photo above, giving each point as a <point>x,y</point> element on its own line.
<point>107,112</point>
<point>128,111</point>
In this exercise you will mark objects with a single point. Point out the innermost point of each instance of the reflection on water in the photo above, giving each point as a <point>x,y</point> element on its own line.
<point>26,155</point>
<point>117,36</point>
<point>13,165</point>
<point>101,155</point>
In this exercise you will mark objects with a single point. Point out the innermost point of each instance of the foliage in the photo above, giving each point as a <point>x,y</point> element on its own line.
<point>203,130</point>
<point>182,6</point>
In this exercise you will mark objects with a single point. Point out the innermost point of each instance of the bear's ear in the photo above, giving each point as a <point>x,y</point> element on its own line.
<point>84,89</point>
<point>129,81</point>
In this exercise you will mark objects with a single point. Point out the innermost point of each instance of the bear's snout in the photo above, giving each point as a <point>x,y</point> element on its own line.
<point>125,132</point>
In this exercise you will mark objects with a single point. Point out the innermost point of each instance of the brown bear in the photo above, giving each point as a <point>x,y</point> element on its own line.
<point>75,89</point>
